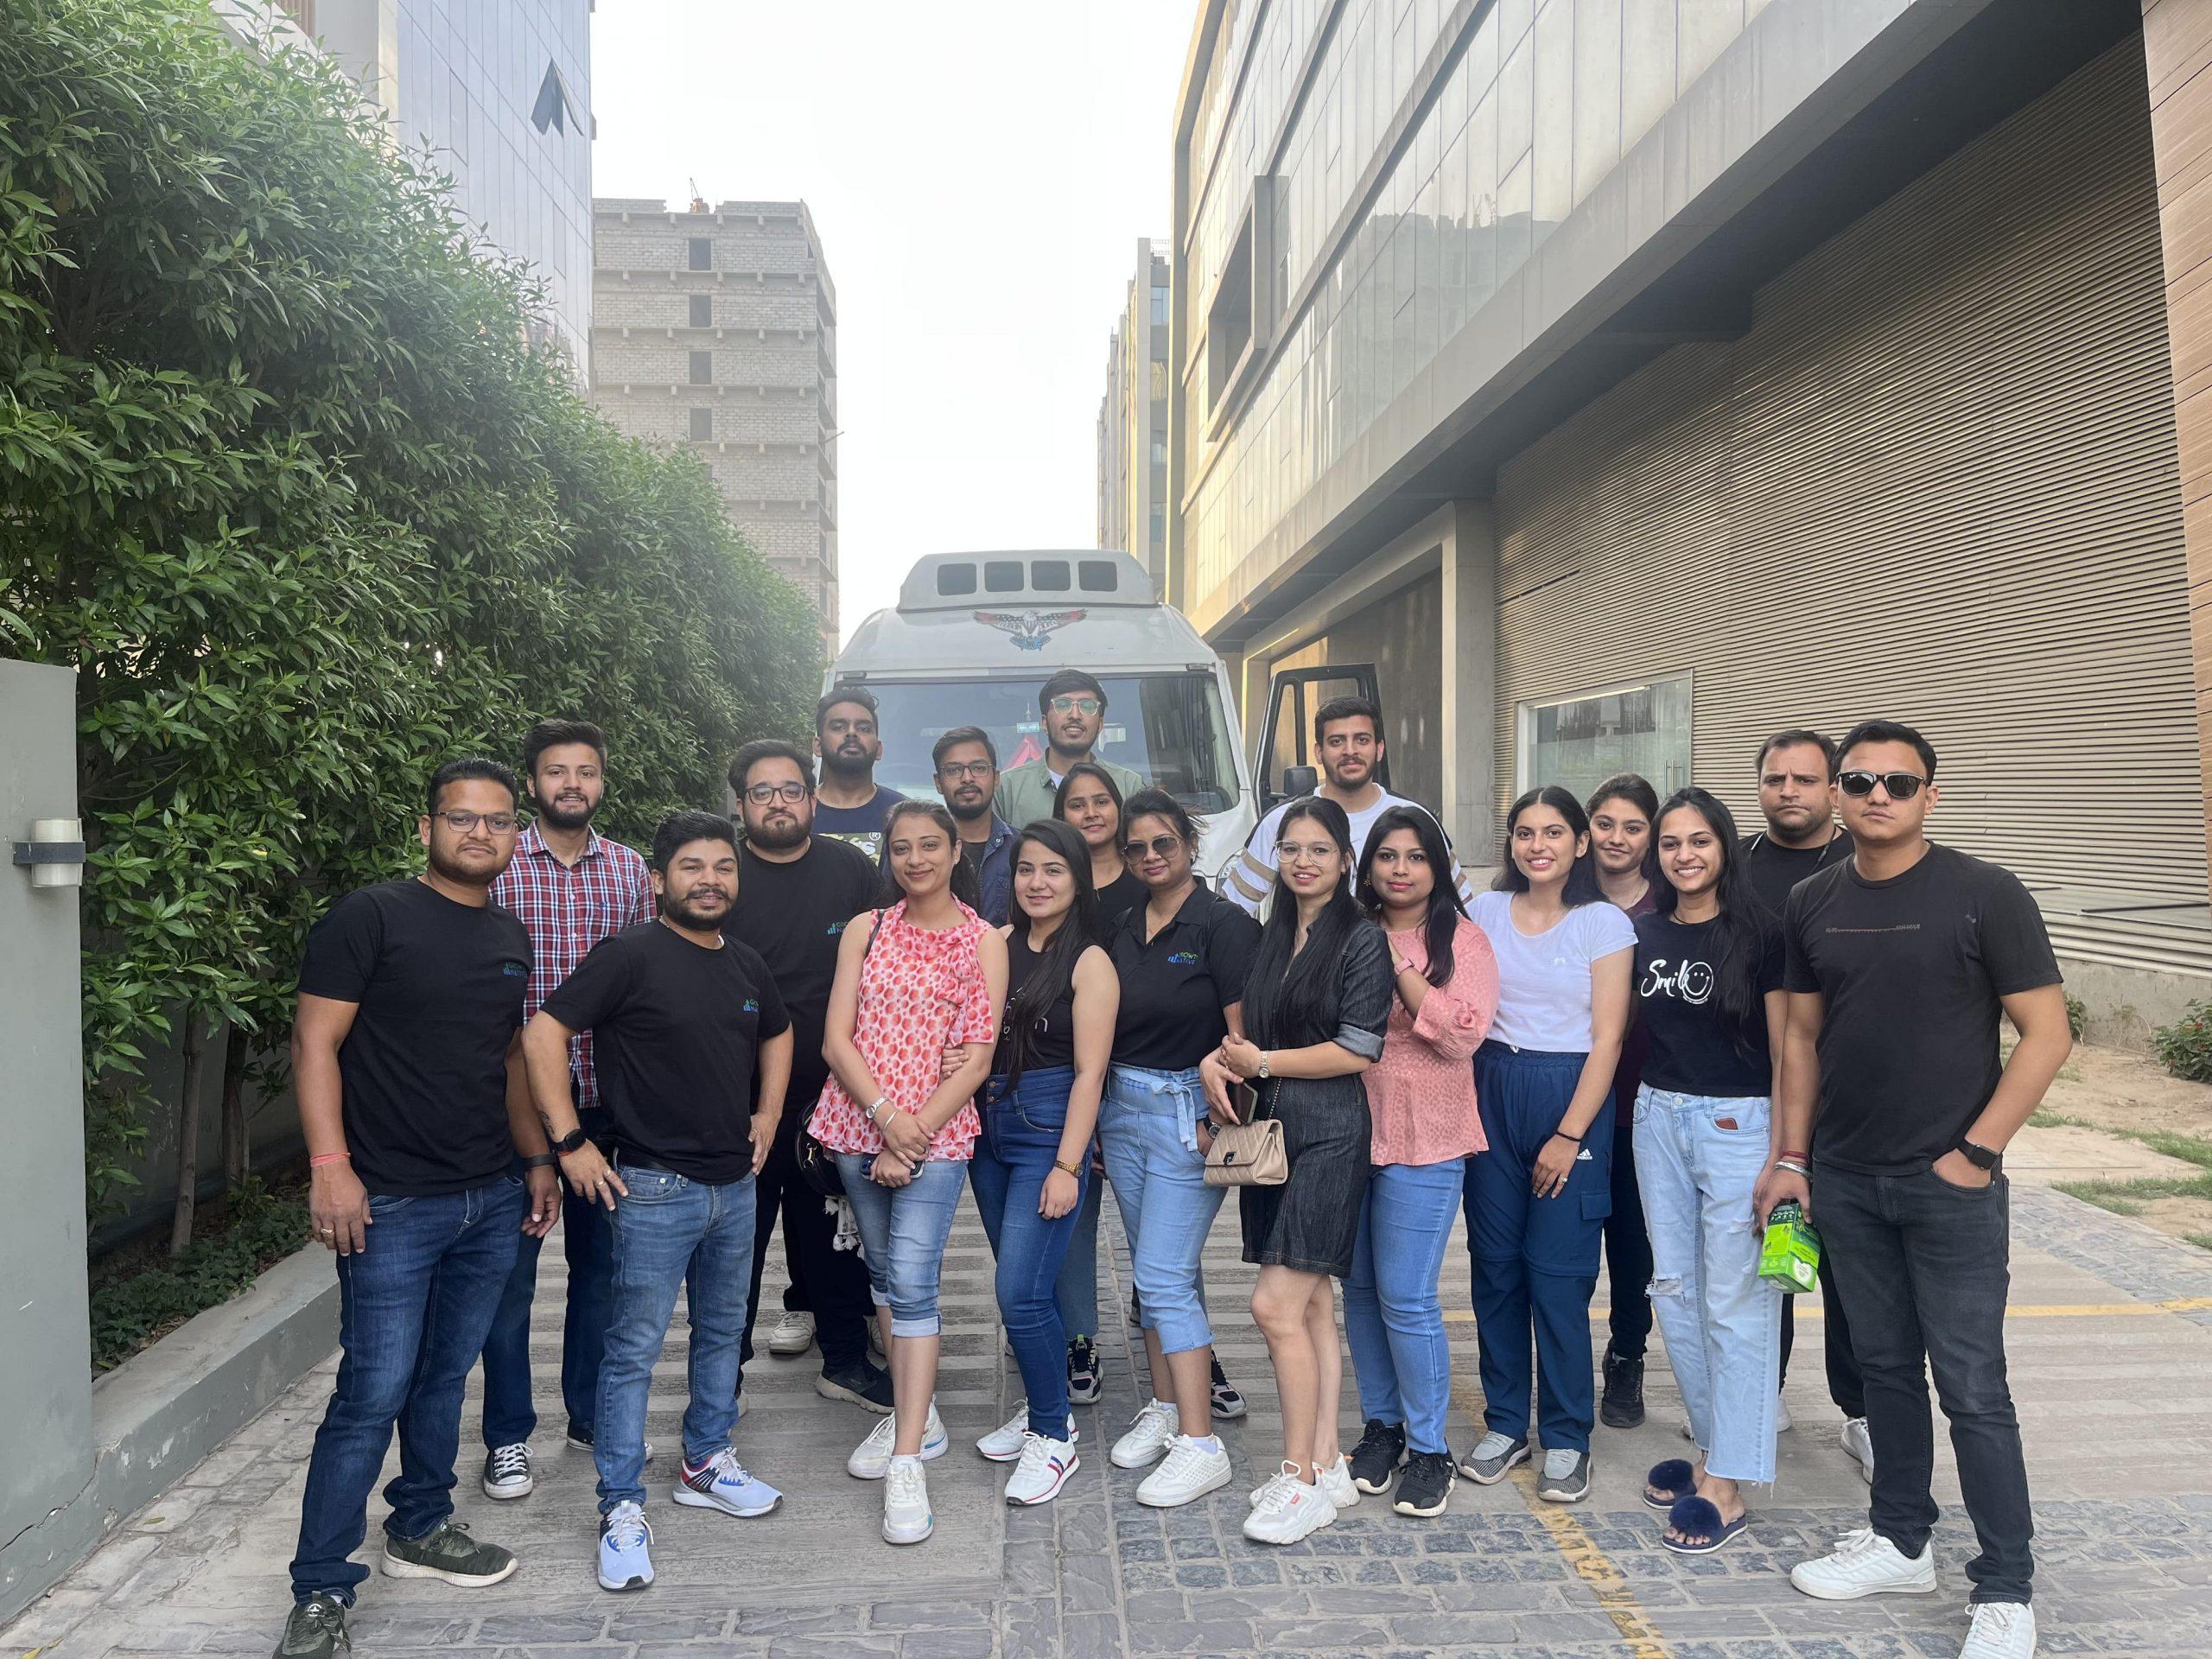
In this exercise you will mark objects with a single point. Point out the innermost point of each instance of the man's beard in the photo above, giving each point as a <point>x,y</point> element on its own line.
<point>853,766</point>
<point>780,837</point>
<point>456,873</point>
<point>567,817</point>
<point>680,911</point>
<point>968,814</point>
<point>1366,775</point>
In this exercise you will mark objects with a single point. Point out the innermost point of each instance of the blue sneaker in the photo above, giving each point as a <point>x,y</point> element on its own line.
<point>722,1482</point>
<point>624,1545</point>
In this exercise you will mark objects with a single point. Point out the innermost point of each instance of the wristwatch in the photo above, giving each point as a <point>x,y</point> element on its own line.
<point>1979,1157</point>
<point>568,1143</point>
<point>1263,1066</point>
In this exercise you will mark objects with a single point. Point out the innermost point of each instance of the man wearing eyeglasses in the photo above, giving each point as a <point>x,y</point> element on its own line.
<point>412,1096</point>
<point>795,891</point>
<point>1072,707</point>
<point>966,763</point>
<point>1899,960</point>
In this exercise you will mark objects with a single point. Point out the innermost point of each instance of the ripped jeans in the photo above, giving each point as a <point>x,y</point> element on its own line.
<point>1698,1158</point>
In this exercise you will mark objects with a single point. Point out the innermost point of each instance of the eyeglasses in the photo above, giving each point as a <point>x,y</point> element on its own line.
<point>789,794</point>
<point>1159,847</point>
<point>1901,785</point>
<point>1075,705</point>
<point>498,823</point>
<point>954,770</point>
<point>1293,852</point>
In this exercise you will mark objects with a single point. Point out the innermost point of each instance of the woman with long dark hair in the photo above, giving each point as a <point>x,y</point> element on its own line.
<point>1316,1005</point>
<point>1033,1165</point>
<point>922,975</point>
<point>1422,1096</point>
<point>1536,1197</point>
<point>1088,798</point>
<point>1708,984</point>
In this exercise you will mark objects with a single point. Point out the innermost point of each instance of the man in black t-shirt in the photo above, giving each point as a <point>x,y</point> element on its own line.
<point>414,1104</point>
<point>1899,963</point>
<point>681,1019</point>
<point>795,891</point>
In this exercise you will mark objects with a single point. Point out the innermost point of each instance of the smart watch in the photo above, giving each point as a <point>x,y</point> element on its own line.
<point>1979,1157</point>
<point>568,1143</point>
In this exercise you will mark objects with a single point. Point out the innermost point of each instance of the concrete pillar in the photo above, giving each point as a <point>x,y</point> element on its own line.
<point>1472,808</point>
<point>2177,50</point>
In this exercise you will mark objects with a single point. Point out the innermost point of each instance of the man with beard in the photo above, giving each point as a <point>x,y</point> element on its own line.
<point>1348,741</point>
<point>852,805</point>
<point>686,1018</point>
<point>966,763</point>
<point>1071,709</point>
<point>795,891</point>
<point>414,1104</point>
<point>571,887</point>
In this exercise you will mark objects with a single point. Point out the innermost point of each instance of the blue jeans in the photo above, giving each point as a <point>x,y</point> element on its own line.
<point>1019,1145</point>
<point>1534,1260</point>
<point>1076,1291</point>
<point>667,1228</point>
<point>903,1231</point>
<point>1392,1318</point>
<point>412,1311</point>
<point>1716,1315</point>
<point>1147,1127</point>
<point>588,1240</point>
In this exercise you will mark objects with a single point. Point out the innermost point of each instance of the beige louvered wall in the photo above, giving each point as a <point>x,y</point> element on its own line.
<point>1936,480</point>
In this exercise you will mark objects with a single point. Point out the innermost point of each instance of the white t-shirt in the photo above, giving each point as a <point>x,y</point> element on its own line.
<point>1543,983</point>
<point>1250,876</point>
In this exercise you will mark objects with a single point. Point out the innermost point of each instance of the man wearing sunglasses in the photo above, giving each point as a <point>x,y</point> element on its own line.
<point>1071,707</point>
<point>1900,959</point>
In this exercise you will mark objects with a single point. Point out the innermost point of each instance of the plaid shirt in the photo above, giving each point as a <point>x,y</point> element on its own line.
<point>567,909</point>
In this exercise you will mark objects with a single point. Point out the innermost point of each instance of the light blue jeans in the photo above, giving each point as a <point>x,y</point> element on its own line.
<point>1148,1129</point>
<point>1698,1158</point>
<point>903,1229</point>
<point>1392,1318</point>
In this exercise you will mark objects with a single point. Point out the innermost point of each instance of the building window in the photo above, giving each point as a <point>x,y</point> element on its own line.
<point>702,368</point>
<point>1159,526</point>
<point>1158,450</point>
<point>1158,305</point>
<point>703,310</point>
<point>702,253</point>
<point>1581,741</point>
<point>1160,383</point>
<point>703,423</point>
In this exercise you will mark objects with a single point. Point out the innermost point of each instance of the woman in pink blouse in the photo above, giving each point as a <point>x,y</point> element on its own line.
<point>1421,1094</point>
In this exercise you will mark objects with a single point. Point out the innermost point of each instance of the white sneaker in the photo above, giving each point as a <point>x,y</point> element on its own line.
<point>1288,1510</point>
<point>2002,1629</point>
<point>1336,1480</point>
<point>1045,1467</point>
<point>871,1458</point>
<point>792,1334</point>
<point>1783,1422</point>
<point>1003,1444</point>
<point>907,1518</point>
<point>1866,1564</point>
<point>506,1472</point>
<point>1145,1440</point>
<point>1860,1444</point>
<point>1191,1472</point>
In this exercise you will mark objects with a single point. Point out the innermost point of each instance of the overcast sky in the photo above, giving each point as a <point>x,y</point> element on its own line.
<point>980,174</point>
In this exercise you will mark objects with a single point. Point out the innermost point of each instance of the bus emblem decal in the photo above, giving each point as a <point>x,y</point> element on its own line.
<point>1031,629</point>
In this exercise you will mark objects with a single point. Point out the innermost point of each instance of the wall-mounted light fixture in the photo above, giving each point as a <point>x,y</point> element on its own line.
<point>55,852</point>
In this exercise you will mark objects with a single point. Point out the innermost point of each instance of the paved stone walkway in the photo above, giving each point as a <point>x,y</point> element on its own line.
<point>2111,1346</point>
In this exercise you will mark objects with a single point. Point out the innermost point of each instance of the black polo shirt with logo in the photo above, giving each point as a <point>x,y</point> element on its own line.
<point>1175,985</point>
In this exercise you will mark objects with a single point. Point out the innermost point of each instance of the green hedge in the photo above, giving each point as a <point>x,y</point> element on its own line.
<point>280,477</point>
<point>258,1229</point>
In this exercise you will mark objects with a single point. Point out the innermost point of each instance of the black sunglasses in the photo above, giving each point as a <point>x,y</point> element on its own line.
<point>1159,847</point>
<point>1901,785</point>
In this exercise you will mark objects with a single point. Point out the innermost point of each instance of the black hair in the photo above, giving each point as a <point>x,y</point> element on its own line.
<point>1887,731</point>
<point>837,694</point>
<point>1337,708</point>
<point>1744,928</point>
<point>471,765</point>
<point>1625,787</point>
<point>1089,769</point>
<point>965,887</point>
<point>955,738</point>
<point>1796,737</point>
<point>1069,679</point>
<point>1582,887</point>
<point>767,748</point>
<point>1286,994</point>
<point>1158,804</point>
<point>552,733</point>
<point>1050,979</point>
<point>679,830</point>
<point>1444,907</point>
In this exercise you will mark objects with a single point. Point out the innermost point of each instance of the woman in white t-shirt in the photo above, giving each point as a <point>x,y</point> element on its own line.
<point>1537,1199</point>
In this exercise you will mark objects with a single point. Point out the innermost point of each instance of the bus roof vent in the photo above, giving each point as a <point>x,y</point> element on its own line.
<point>961,582</point>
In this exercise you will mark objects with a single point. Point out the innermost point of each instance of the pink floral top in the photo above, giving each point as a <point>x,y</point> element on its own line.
<point>1421,1093</point>
<point>920,991</point>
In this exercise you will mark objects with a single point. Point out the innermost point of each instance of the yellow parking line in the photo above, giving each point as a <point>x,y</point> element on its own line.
<point>2052,1310</point>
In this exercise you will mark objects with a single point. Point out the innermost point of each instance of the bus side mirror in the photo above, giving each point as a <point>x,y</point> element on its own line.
<point>1299,780</point>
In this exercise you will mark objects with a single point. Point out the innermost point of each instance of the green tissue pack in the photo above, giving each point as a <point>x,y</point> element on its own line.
<point>1789,1255</point>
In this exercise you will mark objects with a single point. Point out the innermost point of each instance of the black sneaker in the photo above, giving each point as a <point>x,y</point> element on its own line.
<point>315,1630</point>
<point>1426,1486</point>
<point>1228,1404</point>
<point>865,1385</point>
<point>449,1553</point>
<point>1623,1405</point>
<point>1083,1371</point>
<point>1376,1458</point>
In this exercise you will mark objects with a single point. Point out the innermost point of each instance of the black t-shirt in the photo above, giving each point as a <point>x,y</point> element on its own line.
<point>794,915</point>
<point>1052,1031</point>
<point>675,1032</point>
<point>1691,1045</point>
<point>1774,869</point>
<point>1174,988</point>
<point>1909,972</point>
<point>1117,899</point>
<point>439,987</point>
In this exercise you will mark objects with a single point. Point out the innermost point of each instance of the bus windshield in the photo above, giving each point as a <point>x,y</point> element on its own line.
<point>1167,728</point>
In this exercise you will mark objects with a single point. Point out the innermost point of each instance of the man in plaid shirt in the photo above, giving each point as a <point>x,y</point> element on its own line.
<point>570,887</point>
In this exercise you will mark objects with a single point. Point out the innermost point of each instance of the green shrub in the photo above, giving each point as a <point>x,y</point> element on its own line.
<point>260,1229</point>
<point>2077,1016</point>
<point>2185,1046</point>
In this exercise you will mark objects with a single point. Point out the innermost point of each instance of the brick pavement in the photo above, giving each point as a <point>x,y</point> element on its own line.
<point>2113,1399</point>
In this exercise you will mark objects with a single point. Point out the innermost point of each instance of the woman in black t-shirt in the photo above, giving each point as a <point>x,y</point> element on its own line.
<point>1708,987</point>
<point>1089,799</point>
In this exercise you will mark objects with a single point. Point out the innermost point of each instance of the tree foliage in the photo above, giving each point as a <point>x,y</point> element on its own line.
<point>280,477</point>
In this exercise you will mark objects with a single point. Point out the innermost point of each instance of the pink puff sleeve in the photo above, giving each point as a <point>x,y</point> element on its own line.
<point>972,1022</point>
<point>1455,1017</point>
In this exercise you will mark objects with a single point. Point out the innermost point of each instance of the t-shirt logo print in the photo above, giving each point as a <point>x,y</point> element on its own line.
<point>1183,958</point>
<point>1689,981</point>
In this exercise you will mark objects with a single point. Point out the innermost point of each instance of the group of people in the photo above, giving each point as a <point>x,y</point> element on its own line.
<point>1024,988</point>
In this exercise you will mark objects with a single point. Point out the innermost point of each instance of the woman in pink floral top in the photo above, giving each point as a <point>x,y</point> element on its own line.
<point>1421,1096</point>
<point>924,975</point>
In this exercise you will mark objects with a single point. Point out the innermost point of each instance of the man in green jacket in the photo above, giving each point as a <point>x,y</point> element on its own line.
<point>1072,706</point>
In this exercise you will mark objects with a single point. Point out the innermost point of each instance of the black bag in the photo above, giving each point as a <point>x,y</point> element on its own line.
<point>818,1166</point>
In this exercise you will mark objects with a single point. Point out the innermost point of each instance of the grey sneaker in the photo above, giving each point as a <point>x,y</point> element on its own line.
<point>315,1630</point>
<point>1566,1476</point>
<point>448,1553</point>
<point>1491,1458</point>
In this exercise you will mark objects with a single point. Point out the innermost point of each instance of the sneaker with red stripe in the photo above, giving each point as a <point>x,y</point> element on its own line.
<point>1045,1467</point>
